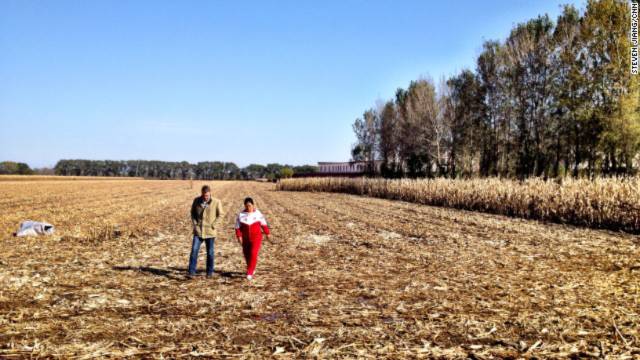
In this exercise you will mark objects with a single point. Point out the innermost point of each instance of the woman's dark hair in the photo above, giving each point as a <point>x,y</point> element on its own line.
<point>248,201</point>
<point>206,189</point>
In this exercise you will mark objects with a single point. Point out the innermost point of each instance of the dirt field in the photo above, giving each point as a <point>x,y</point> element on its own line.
<point>343,277</point>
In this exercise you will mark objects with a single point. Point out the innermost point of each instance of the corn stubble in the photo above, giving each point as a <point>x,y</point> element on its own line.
<point>343,277</point>
<point>608,203</point>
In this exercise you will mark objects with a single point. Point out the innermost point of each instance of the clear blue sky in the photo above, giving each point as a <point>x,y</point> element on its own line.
<point>248,82</point>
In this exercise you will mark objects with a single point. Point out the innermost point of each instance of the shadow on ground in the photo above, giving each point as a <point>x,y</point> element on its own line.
<point>175,273</point>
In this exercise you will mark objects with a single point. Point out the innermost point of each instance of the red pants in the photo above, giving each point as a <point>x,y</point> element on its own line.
<point>250,250</point>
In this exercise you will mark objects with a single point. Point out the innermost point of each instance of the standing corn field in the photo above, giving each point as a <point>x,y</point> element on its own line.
<point>609,203</point>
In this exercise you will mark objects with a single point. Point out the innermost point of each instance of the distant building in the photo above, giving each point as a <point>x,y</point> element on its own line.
<point>347,168</point>
<point>341,169</point>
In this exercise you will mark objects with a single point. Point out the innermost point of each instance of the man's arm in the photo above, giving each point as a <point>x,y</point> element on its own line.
<point>194,214</point>
<point>219,215</point>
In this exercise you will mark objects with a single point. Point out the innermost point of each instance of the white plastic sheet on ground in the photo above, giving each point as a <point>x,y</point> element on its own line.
<point>34,228</point>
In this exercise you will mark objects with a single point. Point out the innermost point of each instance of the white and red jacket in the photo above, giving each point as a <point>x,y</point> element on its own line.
<point>250,225</point>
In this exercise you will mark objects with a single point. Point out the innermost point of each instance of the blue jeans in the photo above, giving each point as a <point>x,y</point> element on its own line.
<point>195,249</point>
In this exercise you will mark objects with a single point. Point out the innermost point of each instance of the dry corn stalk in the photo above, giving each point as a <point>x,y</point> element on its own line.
<point>610,203</point>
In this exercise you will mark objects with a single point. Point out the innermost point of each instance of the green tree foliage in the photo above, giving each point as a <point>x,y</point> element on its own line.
<point>466,123</point>
<point>605,35</point>
<point>366,132</point>
<point>389,139</point>
<point>14,168</point>
<point>553,98</point>
<point>417,128</point>
<point>305,169</point>
<point>255,171</point>
<point>286,172</point>
<point>207,170</point>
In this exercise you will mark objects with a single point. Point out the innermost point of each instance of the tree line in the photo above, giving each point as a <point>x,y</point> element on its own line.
<point>208,170</point>
<point>552,99</point>
<point>15,168</point>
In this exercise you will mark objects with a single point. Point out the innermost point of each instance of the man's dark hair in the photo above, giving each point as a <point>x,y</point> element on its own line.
<point>206,189</point>
<point>248,201</point>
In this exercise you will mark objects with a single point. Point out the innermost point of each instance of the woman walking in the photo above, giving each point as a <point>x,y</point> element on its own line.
<point>250,224</point>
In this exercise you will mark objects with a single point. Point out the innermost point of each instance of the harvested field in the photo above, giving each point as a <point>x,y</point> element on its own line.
<point>343,277</point>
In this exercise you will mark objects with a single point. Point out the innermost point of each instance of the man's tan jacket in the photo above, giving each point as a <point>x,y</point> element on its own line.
<point>206,217</point>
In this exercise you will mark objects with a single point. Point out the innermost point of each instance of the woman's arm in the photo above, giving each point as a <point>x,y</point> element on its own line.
<point>238,231</point>
<point>264,226</point>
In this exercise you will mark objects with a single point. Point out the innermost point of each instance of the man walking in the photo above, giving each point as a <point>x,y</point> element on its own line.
<point>206,216</point>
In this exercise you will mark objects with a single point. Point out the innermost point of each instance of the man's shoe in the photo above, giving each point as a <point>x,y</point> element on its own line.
<point>249,277</point>
<point>209,276</point>
<point>191,276</point>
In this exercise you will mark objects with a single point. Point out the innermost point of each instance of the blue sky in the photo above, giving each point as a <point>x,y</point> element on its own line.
<point>241,81</point>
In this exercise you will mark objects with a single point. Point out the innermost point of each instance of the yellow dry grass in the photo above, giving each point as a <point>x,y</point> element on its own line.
<point>343,277</point>
<point>609,203</point>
